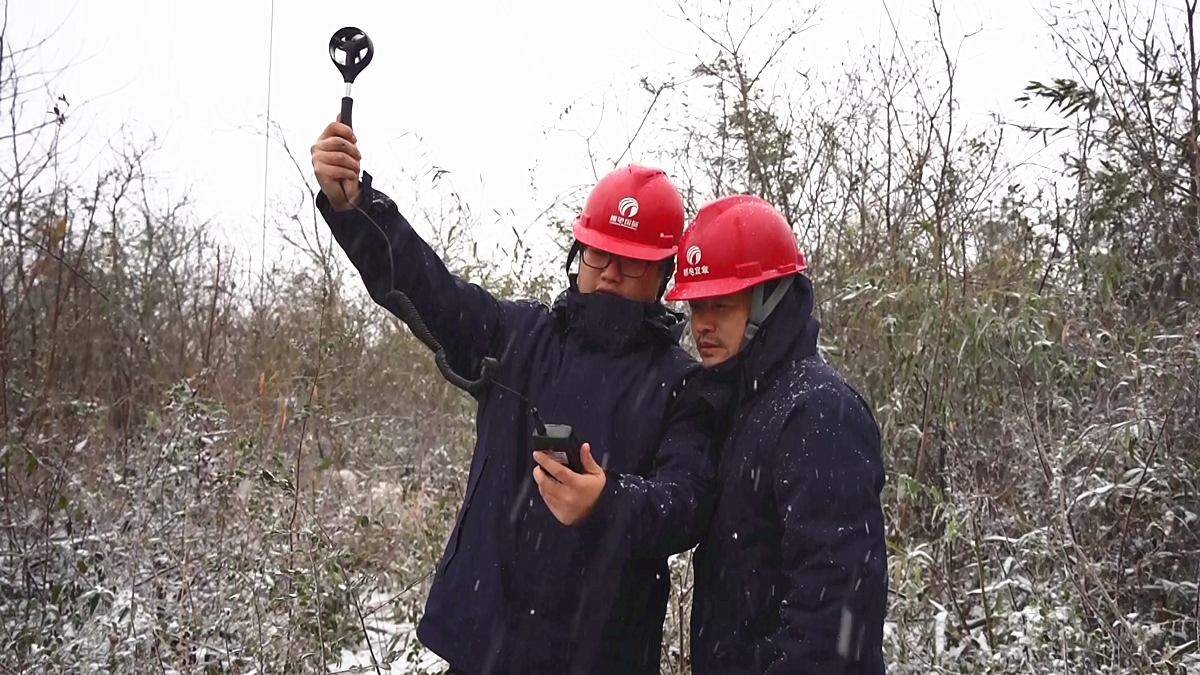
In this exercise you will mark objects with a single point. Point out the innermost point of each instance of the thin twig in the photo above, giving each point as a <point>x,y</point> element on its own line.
<point>363,624</point>
<point>316,567</point>
<point>262,664</point>
<point>983,596</point>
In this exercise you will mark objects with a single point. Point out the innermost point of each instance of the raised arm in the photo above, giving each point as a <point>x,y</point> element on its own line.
<point>389,255</point>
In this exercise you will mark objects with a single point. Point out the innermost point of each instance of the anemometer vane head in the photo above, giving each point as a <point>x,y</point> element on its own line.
<point>351,51</point>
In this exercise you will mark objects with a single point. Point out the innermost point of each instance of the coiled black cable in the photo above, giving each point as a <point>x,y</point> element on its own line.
<point>402,306</point>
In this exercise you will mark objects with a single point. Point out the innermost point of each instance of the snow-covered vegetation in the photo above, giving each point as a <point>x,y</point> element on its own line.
<point>206,469</point>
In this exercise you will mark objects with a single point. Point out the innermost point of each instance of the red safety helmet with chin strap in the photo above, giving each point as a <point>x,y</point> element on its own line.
<point>634,211</point>
<point>734,243</point>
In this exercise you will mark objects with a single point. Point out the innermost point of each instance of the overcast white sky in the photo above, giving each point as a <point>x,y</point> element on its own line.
<point>474,87</point>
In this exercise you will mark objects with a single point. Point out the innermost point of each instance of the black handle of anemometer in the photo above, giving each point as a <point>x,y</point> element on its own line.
<point>351,51</point>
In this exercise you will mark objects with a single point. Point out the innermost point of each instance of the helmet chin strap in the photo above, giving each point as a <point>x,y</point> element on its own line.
<point>668,268</point>
<point>761,309</point>
<point>572,277</point>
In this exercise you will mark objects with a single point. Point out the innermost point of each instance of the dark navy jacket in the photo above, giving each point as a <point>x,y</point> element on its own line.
<point>791,576</point>
<point>516,591</point>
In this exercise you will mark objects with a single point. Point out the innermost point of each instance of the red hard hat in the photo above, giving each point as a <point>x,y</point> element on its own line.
<point>634,211</point>
<point>733,243</point>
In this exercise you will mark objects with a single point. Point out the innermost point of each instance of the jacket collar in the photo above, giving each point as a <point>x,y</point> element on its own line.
<point>607,322</point>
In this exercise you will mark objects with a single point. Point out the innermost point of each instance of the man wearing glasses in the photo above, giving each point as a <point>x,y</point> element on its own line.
<point>548,570</point>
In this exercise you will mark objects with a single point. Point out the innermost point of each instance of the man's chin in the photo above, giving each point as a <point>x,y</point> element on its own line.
<point>712,357</point>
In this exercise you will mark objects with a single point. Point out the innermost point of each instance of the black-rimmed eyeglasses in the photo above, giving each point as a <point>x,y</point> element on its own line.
<point>629,267</point>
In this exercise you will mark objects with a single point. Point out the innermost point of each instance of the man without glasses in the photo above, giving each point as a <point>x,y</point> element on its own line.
<point>791,576</point>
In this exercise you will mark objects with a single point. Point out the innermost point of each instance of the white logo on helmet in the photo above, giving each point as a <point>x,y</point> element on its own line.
<point>628,208</point>
<point>694,267</point>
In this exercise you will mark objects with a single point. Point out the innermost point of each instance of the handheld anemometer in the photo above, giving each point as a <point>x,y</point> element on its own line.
<point>351,51</point>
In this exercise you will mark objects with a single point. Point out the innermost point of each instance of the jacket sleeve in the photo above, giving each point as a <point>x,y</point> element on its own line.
<point>827,482</point>
<point>389,255</point>
<point>666,511</point>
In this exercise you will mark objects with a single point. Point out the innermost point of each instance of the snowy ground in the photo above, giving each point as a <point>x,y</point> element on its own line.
<point>393,647</point>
